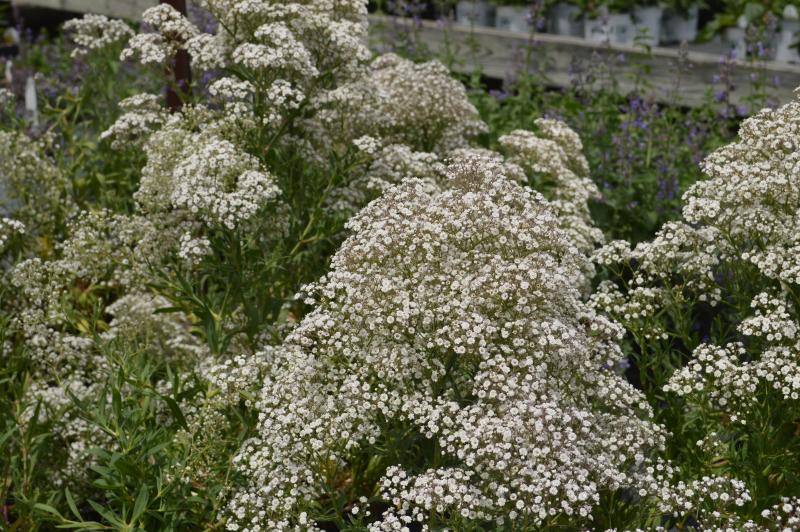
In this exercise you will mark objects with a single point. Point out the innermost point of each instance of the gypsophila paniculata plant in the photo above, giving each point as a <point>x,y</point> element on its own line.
<point>305,296</point>
<point>450,345</point>
<point>712,305</point>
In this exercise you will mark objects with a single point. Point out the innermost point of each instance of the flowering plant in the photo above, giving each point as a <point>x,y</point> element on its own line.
<point>711,304</point>
<point>308,298</point>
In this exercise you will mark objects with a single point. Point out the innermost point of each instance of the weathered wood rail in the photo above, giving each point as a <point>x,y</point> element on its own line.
<point>498,53</point>
<point>129,9</point>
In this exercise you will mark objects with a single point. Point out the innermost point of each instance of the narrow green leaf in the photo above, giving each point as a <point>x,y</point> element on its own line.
<point>116,404</point>
<point>140,505</point>
<point>7,435</point>
<point>47,508</point>
<point>176,411</point>
<point>106,514</point>
<point>84,525</point>
<point>72,506</point>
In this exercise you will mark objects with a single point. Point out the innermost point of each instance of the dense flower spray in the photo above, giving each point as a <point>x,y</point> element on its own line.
<point>447,371</point>
<point>455,314</point>
<point>737,250</point>
<point>94,32</point>
<point>713,303</point>
<point>33,187</point>
<point>9,229</point>
<point>293,92</point>
<point>106,255</point>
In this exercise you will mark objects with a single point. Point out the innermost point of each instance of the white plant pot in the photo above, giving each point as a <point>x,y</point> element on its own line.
<point>789,34</point>
<point>474,13</point>
<point>513,18</point>
<point>596,30</point>
<point>647,24</point>
<point>623,30</point>
<point>563,20</point>
<point>679,27</point>
<point>617,28</point>
<point>735,39</point>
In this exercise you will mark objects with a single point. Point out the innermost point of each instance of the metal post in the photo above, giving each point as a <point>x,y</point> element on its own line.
<point>181,68</point>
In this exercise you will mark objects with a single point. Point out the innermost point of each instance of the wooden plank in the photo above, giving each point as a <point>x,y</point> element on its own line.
<point>499,54</point>
<point>129,9</point>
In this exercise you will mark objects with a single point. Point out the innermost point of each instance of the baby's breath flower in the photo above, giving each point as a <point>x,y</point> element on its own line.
<point>9,229</point>
<point>456,312</point>
<point>171,32</point>
<point>193,249</point>
<point>143,114</point>
<point>94,32</point>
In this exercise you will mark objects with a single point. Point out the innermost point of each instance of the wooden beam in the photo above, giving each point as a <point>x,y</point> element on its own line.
<point>127,9</point>
<point>499,54</point>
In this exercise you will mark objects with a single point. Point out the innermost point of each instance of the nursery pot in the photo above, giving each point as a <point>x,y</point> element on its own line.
<point>622,29</point>
<point>647,24</point>
<point>513,18</point>
<point>679,27</point>
<point>596,30</point>
<point>616,28</point>
<point>789,34</point>
<point>563,20</point>
<point>735,39</point>
<point>474,12</point>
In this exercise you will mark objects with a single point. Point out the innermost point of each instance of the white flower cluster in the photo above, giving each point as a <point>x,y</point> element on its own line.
<point>717,493</point>
<point>772,319</point>
<point>135,315</point>
<point>406,120</point>
<point>9,229</point>
<point>635,308</point>
<point>207,164</point>
<point>555,163</point>
<point>171,32</point>
<point>234,89</point>
<point>724,377</point>
<point>784,516</point>
<point>241,375</point>
<point>192,249</point>
<point>102,264</point>
<point>456,314</point>
<point>204,176</point>
<point>222,182</point>
<point>308,38</point>
<point>367,144</point>
<point>94,32</point>
<point>105,253</point>
<point>34,188</point>
<point>551,163</point>
<point>143,114</point>
<point>754,191</point>
<point>281,52</point>
<point>384,167</point>
<point>739,242</point>
<point>419,105</point>
<point>281,97</point>
<point>76,435</point>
